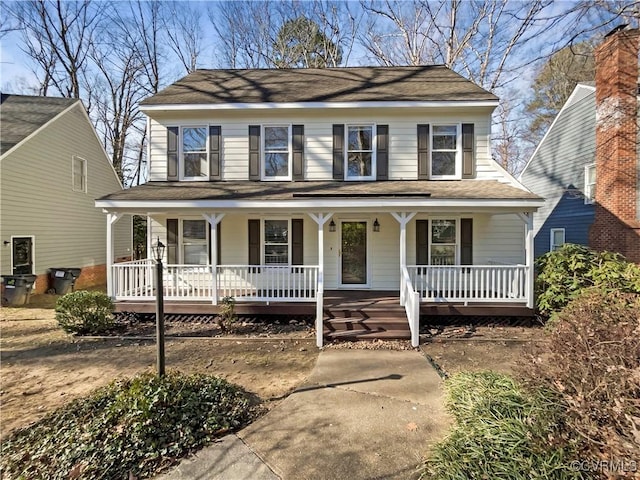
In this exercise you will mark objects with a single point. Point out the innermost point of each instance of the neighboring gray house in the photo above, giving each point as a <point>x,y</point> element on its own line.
<point>562,171</point>
<point>52,168</point>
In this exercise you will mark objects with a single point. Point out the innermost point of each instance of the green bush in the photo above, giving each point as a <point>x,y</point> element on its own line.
<point>592,362</point>
<point>501,431</point>
<point>84,312</point>
<point>128,429</point>
<point>564,273</point>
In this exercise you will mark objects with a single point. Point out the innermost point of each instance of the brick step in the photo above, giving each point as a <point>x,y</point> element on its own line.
<point>369,324</point>
<point>368,335</point>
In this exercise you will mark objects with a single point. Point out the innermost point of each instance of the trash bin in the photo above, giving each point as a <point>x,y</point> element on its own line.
<point>63,279</point>
<point>17,289</point>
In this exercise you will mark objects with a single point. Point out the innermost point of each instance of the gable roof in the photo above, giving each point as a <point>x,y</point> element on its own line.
<point>21,115</point>
<point>305,85</point>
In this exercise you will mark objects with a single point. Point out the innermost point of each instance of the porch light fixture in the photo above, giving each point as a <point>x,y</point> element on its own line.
<point>332,226</point>
<point>376,226</point>
<point>158,251</point>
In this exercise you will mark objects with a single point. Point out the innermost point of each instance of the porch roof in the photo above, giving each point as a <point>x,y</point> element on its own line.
<point>236,194</point>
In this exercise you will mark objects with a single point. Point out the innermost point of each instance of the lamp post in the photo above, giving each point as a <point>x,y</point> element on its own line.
<point>158,252</point>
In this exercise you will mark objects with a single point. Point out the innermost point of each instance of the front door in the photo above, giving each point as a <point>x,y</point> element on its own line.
<point>354,254</point>
<point>22,255</point>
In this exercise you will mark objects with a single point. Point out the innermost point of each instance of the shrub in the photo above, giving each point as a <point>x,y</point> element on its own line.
<point>592,362</point>
<point>501,431</point>
<point>85,312</point>
<point>564,273</point>
<point>227,318</point>
<point>128,429</point>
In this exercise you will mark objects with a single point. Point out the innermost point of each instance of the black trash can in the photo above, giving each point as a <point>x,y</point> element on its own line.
<point>63,279</point>
<point>17,289</point>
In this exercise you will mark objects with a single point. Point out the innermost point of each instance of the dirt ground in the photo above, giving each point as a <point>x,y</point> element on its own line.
<point>42,367</point>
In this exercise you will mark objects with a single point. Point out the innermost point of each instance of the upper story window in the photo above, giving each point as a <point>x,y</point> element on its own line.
<point>557,238</point>
<point>276,152</point>
<point>589,183</point>
<point>195,163</point>
<point>79,174</point>
<point>360,157</point>
<point>445,152</point>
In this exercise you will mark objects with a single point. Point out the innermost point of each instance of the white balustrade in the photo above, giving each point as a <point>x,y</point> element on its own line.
<point>411,301</point>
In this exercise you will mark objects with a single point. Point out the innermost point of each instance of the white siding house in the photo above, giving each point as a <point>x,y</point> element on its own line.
<point>276,185</point>
<point>52,168</point>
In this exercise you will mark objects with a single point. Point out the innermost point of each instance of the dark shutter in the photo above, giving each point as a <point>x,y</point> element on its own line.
<point>172,153</point>
<point>466,241</point>
<point>254,152</point>
<point>423,152</point>
<point>297,132</point>
<point>214,153</point>
<point>172,241</point>
<point>254,242</point>
<point>338,152</point>
<point>297,251</point>
<point>382,152</point>
<point>422,242</point>
<point>468,162</point>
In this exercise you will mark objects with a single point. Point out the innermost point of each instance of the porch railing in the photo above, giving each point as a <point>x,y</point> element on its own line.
<point>470,283</point>
<point>136,281</point>
<point>410,299</point>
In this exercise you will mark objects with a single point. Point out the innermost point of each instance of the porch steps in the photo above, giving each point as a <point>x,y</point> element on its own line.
<point>363,320</point>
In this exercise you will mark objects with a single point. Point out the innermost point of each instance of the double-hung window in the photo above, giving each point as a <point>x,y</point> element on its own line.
<point>444,242</point>
<point>557,238</point>
<point>195,249</point>
<point>195,153</point>
<point>276,242</point>
<point>79,174</point>
<point>276,146</point>
<point>589,183</point>
<point>360,155</point>
<point>446,152</point>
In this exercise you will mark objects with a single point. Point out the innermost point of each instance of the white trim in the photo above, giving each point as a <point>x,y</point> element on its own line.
<point>369,232</point>
<point>324,204</point>
<point>374,152</point>
<point>589,193</point>
<point>33,252</point>
<point>181,162</point>
<point>263,153</point>
<point>322,105</point>
<point>552,236</point>
<point>458,159</point>
<point>567,104</point>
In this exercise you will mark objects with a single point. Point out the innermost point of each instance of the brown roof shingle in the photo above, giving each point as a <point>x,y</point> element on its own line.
<point>348,84</point>
<point>246,190</point>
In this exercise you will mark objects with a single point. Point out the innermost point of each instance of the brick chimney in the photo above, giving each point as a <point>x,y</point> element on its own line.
<point>616,226</point>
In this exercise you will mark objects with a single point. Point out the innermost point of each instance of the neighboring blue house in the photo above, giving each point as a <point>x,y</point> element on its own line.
<point>562,171</point>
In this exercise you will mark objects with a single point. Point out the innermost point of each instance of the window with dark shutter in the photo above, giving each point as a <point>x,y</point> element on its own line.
<point>215,172</point>
<point>466,241</point>
<point>422,242</point>
<point>468,160</point>
<point>298,151</point>
<point>338,152</point>
<point>172,153</point>
<point>254,152</point>
<point>423,152</point>
<point>172,241</point>
<point>382,152</point>
<point>297,234</point>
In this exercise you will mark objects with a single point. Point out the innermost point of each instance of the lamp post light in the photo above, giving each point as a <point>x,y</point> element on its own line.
<point>158,252</point>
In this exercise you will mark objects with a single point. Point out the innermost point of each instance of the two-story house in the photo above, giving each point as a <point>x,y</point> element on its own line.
<point>286,185</point>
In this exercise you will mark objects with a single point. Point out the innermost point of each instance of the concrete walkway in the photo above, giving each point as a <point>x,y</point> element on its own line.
<point>362,414</point>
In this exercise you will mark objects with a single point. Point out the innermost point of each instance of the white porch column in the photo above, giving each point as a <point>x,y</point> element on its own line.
<point>403,218</point>
<point>320,219</point>
<point>111,219</point>
<point>527,218</point>
<point>214,219</point>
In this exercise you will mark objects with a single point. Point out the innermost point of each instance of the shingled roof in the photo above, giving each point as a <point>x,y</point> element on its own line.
<point>349,84</point>
<point>21,115</point>
<point>246,190</point>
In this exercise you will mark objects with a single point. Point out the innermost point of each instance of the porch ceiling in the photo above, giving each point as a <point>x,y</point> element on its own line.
<point>323,194</point>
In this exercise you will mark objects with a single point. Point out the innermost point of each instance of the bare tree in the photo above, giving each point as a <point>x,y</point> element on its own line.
<point>183,28</point>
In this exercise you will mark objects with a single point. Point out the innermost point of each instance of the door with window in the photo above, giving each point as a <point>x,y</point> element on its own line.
<point>22,255</point>
<point>353,258</point>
